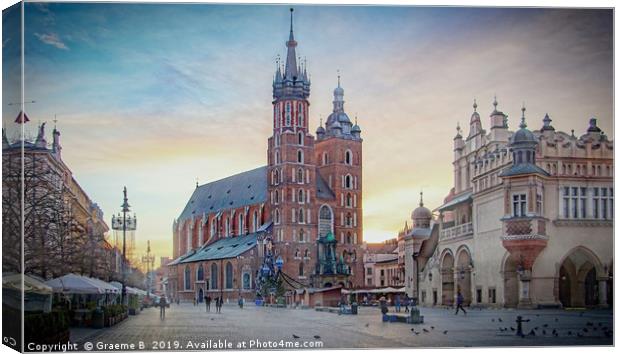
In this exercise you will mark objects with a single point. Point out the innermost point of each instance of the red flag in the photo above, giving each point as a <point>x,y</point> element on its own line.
<point>22,118</point>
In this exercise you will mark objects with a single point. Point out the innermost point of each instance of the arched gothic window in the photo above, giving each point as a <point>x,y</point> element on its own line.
<point>300,114</point>
<point>276,196</point>
<point>300,175</point>
<point>200,273</point>
<point>300,156</point>
<point>300,196</point>
<point>301,236</point>
<point>288,114</point>
<point>276,216</point>
<point>300,138</point>
<point>247,281</point>
<point>349,240</point>
<point>325,159</point>
<point>349,220</point>
<point>188,280</point>
<point>301,269</point>
<point>348,157</point>
<point>229,275</point>
<point>326,219</point>
<point>255,221</point>
<point>349,200</point>
<point>306,253</point>
<point>301,216</point>
<point>213,276</point>
<point>348,183</point>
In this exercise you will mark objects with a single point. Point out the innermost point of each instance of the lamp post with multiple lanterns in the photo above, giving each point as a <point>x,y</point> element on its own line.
<point>124,223</point>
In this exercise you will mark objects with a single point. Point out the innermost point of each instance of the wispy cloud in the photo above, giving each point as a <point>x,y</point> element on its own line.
<point>52,39</point>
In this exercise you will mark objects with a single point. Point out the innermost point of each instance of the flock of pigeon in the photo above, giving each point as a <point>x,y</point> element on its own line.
<point>545,330</point>
<point>426,331</point>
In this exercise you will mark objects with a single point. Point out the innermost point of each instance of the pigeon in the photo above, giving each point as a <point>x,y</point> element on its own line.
<point>585,330</point>
<point>413,329</point>
<point>570,333</point>
<point>532,333</point>
<point>416,333</point>
<point>432,327</point>
<point>512,329</point>
<point>445,332</point>
<point>499,319</point>
<point>317,337</point>
<point>544,332</point>
<point>545,325</point>
<point>295,336</point>
<point>501,329</point>
<point>555,334</point>
<point>425,330</point>
<point>536,328</point>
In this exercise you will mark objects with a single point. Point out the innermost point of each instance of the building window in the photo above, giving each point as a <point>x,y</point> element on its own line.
<point>229,275</point>
<point>213,276</point>
<point>240,225</point>
<point>519,205</point>
<point>247,281</point>
<point>300,157</point>
<point>187,279</point>
<point>300,196</point>
<point>539,206</point>
<point>300,138</point>
<point>227,227</point>
<point>307,253</point>
<point>492,298</point>
<point>300,176</point>
<point>288,114</point>
<point>348,240</point>
<point>582,202</point>
<point>255,221</point>
<point>348,182</point>
<point>325,158</point>
<point>301,216</point>
<point>478,295</point>
<point>368,271</point>
<point>349,200</point>
<point>300,113</point>
<point>301,269</point>
<point>301,236</point>
<point>348,157</point>
<point>200,273</point>
<point>276,216</point>
<point>326,220</point>
<point>602,202</point>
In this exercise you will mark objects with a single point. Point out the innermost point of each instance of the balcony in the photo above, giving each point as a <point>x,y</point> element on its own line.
<point>457,232</point>
<point>525,228</point>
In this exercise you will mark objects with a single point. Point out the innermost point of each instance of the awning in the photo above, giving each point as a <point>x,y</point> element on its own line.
<point>465,197</point>
<point>31,285</point>
<point>77,284</point>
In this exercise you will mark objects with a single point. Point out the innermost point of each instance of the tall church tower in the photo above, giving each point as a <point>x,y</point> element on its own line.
<point>339,160</point>
<point>291,166</point>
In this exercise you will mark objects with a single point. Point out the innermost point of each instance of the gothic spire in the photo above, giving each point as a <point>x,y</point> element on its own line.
<point>290,72</point>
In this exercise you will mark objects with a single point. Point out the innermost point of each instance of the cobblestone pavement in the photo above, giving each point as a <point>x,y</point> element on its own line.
<point>186,324</point>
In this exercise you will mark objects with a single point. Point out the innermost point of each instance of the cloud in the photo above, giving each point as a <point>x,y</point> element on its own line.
<point>52,39</point>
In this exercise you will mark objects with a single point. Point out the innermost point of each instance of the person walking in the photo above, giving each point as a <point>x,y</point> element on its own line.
<point>459,303</point>
<point>406,302</point>
<point>397,303</point>
<point>162,307</point>
<point>208,302</point>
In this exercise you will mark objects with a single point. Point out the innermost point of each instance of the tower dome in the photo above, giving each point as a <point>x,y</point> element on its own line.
<point>421,215</point>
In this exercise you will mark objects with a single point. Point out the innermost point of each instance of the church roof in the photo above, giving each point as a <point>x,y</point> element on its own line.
<point>322,189</point>
<point>225,248</point>
<point>522,169</point>
<point>242,189</point>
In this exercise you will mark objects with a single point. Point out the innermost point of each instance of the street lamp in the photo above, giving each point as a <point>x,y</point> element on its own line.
<point>124,224</point>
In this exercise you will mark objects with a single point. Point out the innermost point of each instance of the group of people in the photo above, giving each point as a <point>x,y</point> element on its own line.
<point>407,301</point>
<point>218,303</point>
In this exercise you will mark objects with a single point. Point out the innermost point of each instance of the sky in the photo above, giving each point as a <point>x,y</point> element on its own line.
<point>155,97</point>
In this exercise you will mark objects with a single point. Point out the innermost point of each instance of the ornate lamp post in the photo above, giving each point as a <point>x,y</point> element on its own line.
<point>124,224</point>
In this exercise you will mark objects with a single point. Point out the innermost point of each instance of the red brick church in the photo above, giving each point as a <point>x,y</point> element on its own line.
<point>306,204</point>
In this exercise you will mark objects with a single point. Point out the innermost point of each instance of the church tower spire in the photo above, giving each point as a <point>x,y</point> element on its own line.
<point>290,71</point>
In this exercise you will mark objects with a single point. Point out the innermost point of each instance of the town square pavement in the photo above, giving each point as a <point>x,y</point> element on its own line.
<point>188,327</point>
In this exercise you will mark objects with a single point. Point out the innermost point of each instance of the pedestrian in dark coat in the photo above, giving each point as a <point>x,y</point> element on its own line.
<point>459,303</point>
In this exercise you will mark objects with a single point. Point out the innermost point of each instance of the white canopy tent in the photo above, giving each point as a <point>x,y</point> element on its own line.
<point>78,284</point>
<point>37,295</point>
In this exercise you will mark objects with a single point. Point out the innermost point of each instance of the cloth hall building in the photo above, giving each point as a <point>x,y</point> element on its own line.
<point>528,223</point>
<point>306,204</point>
